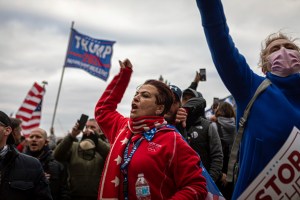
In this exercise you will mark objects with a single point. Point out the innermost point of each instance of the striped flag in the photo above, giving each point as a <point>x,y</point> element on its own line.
<point>30,110</point>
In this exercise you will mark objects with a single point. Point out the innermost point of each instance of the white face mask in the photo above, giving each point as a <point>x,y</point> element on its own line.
<point>284,62</point>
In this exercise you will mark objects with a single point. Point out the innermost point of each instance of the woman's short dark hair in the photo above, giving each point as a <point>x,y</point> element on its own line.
<point>164,96</point>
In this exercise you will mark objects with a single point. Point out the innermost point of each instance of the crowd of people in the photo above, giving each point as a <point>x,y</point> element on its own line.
<point>74,165</point>
<point>155,152</point>
<point>69,170</point>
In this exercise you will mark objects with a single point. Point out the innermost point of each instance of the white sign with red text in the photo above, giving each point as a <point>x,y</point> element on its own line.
<point>281,177</point>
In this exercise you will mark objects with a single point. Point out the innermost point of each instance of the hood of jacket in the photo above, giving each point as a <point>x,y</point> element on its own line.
<point>227,123</point>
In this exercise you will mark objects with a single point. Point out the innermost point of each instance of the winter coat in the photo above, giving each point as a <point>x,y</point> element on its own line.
<point>227,133</point>
<point>22,178</point>
<point>204,139</point>
<point>169,164</point>
<point>203,136</point>
<point>58,174</point>
<point>84,175</point>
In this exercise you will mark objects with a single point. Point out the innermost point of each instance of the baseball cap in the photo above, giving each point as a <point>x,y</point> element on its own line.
<point>192,92</point>
<point>4,119</point>
<point>177,91</point>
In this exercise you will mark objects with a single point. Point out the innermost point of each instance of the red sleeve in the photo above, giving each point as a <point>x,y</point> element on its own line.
<point>191,184</point>
<point>109,120</point>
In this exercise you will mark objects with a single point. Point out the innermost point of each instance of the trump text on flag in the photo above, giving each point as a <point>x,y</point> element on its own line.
<point>89,54</point>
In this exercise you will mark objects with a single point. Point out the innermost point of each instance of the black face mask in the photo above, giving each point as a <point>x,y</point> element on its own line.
<point>92,137</point>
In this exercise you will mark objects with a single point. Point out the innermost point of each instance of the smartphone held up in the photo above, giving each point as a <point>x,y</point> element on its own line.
<point>202,74</point>
<point>82,121</point>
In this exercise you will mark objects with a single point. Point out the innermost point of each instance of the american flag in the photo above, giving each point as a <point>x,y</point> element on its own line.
<point>212,189</point>
<point>30,110</point>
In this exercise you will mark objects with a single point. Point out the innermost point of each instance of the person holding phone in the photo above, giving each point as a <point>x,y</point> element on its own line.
<point>202,73</point>
<point>84,159</point>
<point>199,76</point>
<point>276,111</point>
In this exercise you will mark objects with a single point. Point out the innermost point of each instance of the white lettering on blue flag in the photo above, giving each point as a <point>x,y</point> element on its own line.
<point>89,54</point>
<point>91,47</point>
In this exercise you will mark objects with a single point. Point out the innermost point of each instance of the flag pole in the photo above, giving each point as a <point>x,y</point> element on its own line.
<point>61,78</point>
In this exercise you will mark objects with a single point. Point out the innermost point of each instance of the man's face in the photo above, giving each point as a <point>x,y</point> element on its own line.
<point>171,115</point>
<point>4,131</point>
<point>37,140</point>
<point>92,125</point>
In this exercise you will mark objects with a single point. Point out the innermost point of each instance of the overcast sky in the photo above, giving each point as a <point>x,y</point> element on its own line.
<point>160,37</point>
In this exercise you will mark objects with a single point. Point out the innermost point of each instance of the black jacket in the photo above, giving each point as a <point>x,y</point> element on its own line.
<point>58,174</point>
<point>22,178</point>
<point>203,137</point>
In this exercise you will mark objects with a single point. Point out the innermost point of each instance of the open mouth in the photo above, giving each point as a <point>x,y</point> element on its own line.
<point>33,145</point>
<point>134,106</point>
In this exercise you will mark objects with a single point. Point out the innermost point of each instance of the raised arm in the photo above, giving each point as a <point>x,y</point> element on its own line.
<point>109,120</point>
<point>195,83</point>
<point>230,64</point>
<point>63,151</point>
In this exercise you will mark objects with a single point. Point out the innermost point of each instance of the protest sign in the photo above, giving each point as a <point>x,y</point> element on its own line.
<point>280,179</point>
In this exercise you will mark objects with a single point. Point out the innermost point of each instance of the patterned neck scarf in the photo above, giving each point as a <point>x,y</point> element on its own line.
<point>146,125</point>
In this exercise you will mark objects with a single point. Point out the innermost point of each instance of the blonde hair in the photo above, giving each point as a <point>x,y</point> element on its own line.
<point>272,37</point>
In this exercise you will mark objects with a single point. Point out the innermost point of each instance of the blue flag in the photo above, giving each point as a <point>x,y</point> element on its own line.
<point>90,54</point>
<point>212,189</point>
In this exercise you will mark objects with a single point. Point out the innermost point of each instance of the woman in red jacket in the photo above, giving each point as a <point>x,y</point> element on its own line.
<point>144,144</point>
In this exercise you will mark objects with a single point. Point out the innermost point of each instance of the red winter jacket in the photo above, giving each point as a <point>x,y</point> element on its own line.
<point>169,164</point>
